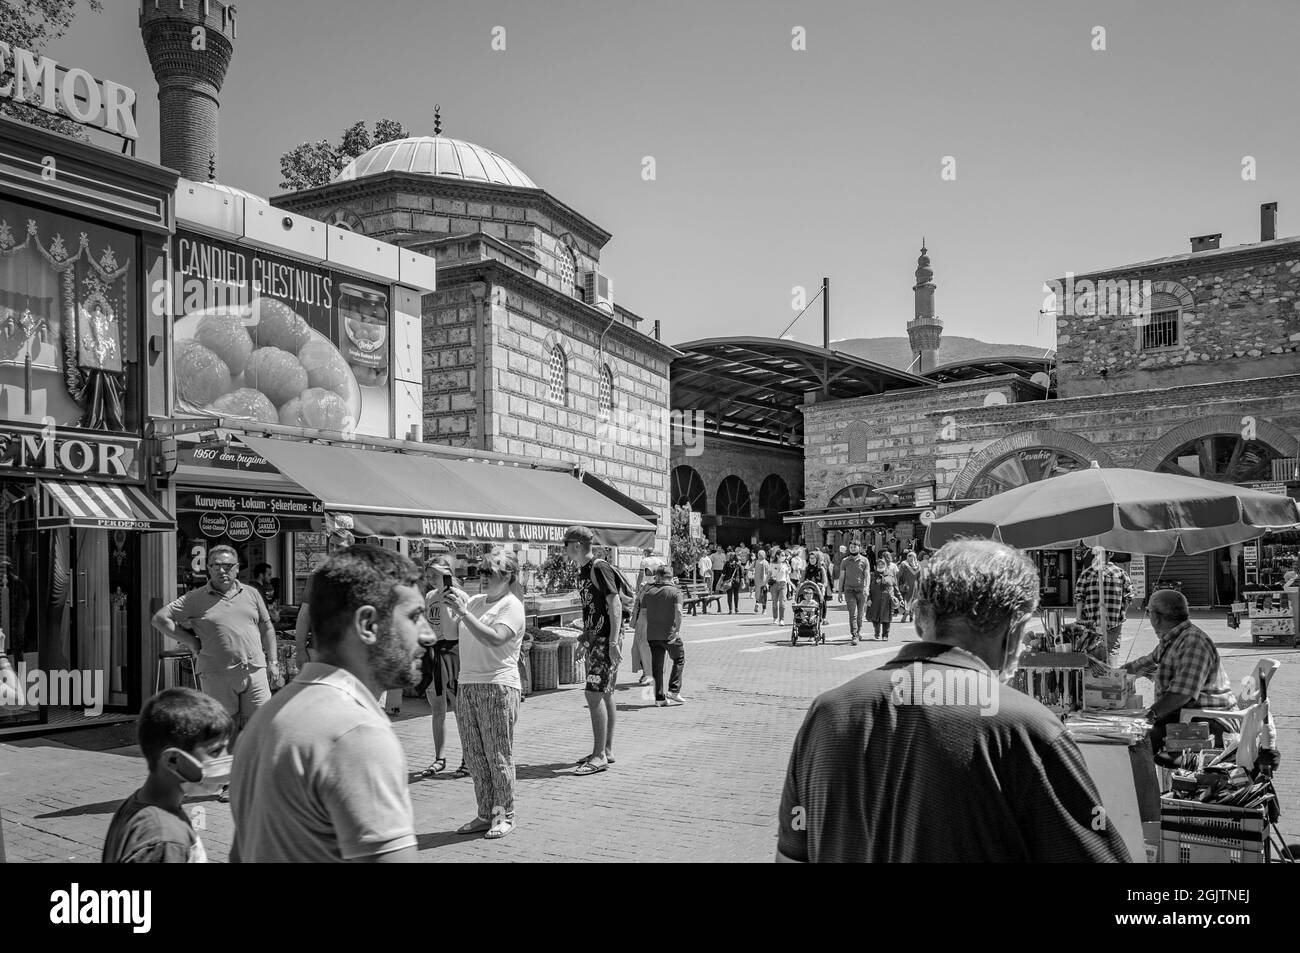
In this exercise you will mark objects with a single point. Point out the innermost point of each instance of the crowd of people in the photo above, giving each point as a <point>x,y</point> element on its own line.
<point>318,773</point>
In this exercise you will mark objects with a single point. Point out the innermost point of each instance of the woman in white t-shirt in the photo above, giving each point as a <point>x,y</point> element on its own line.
<point>491,632</point>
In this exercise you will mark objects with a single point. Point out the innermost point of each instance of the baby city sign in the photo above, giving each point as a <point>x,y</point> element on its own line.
<point>43,84</point>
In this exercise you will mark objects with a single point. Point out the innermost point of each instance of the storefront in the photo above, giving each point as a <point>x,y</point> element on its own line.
<point>83,231</point>
<point>883,519</point>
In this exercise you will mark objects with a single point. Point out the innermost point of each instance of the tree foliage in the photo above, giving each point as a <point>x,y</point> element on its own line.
<point>685,551</point>
<point>32,25</point>
<point>311,164</point>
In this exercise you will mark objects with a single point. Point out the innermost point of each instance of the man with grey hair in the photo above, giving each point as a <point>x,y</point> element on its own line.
<point>661,605</point>
<point>931,757</point>
<point>1185,665</point>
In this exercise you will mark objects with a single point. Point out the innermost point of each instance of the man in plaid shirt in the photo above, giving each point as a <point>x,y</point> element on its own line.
<point>1186,664</point>
<point>1102,595</point>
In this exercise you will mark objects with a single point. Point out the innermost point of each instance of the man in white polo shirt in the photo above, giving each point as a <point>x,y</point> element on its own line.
<point>319,774</point>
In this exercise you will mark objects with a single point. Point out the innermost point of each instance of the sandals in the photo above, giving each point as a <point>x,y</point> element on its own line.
<point>587,768</point>
<point>439,765</point>
<point>609,759</point>
<point>500,829</point>
<point>461,772</point>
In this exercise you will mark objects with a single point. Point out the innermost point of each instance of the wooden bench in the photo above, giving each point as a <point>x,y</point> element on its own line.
<point>699,594</point>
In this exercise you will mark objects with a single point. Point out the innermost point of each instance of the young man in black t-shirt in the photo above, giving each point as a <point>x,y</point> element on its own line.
<point>602,625</point>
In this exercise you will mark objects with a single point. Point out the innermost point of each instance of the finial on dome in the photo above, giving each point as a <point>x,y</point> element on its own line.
<point>437,120</point>
<point>922,244</point>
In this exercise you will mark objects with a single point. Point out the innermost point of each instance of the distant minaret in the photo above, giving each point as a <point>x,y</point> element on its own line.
<point>189,43</point>
<point>924,330</point>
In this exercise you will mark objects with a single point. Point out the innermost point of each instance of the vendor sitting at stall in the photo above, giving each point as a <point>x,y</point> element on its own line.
<point>1188,673</point>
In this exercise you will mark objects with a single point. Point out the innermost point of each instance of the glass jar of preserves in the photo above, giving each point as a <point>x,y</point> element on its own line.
<point>363,313</point>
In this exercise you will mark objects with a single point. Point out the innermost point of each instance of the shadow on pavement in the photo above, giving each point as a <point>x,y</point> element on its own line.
<point>103,807</point>
<point>533,772</point>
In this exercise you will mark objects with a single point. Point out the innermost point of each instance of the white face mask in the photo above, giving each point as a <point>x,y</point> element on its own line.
<point>200,778</point>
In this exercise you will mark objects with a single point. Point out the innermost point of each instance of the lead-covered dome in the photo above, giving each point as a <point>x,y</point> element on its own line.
<point>437,155</point>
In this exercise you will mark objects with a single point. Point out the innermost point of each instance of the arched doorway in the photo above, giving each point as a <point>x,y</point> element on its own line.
<point>735,512</point>
<point>1227,458</point>
<point>773,497</point>
<point>688,489</point>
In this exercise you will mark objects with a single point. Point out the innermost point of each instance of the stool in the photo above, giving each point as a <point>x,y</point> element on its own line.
<point>173,665</point>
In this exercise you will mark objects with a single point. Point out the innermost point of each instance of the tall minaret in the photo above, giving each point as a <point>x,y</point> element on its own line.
<point>924,330</point>
<point>189,43</point>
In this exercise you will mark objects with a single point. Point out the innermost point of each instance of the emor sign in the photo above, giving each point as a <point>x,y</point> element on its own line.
<point>41,83</point>
<point>51,450</point>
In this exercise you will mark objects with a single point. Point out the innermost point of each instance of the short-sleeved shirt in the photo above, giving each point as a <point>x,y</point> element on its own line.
<point>1185,662</point>
<point>881,775</point>
<point>718,560</point>
<point>143,833</point>
<point>319,775</point>
<point>857,572</point>
<point>705,565</point>
<point>1104,596</point>
<point>778,571</point>
<point>595,585</point>
<point>435,611</point>
<point>482,664</point>
<point>660,602</point>
<point>228,625</point>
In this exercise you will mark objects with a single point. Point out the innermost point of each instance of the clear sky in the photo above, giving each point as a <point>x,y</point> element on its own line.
<point>776,167</point>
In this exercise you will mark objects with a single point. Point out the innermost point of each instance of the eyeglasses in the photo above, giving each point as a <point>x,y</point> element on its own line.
<point>223,567</point>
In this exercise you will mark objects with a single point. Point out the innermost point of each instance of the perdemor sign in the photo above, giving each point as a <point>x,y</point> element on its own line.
<point>43,84</point>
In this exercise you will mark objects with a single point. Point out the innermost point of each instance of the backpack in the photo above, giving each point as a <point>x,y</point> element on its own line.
<point>626,595</point>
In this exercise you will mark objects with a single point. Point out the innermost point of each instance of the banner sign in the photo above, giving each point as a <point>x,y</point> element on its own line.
<point>29,449</point>
<point>400,526</point>
<point>233,457</point>
<point>70,92</point>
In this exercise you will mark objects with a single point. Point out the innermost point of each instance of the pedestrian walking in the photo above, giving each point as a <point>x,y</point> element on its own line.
<point>641,657</point>
<point>731,579</point>
<point>601,643</point>
<point>797,566</point>
<point>836,562</point>
<point>778,586</point>
<point>661,608</point>
<point>444,654</point>
<point>818,571</point>
<point>761,573</point>
<point>1102,596</point>
<point>882,597</point>
<point>909,572</point>
<point>184,736</point>
<point>491,633</point>
<point>855,578</point>
<point>227,626</point>
<point>875,775</point>
<point>718,561</point>
<point>319,775</point>
<point>704,572</point>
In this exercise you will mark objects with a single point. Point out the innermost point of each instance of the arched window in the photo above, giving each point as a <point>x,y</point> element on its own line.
<point>688,489</point>
<point>1226,458</point>
<point>566,266</point>
<point>1021,467</point>
<point>558,376</point>
<point>733,497</point>
<point>858,494</point>
<point>773,496</point>
<point>606,405</point>
<point>858,445</point>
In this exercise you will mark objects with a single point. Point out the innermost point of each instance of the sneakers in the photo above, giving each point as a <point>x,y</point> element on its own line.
<point>676,697</point>
<point>646,680</point>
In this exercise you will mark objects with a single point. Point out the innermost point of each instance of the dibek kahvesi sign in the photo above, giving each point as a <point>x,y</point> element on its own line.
<point>44,84</point>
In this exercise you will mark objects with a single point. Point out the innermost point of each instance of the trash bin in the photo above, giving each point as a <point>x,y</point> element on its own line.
<point>573,670</point>
<point>544,661</point>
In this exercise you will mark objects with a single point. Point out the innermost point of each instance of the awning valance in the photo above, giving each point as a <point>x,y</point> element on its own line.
<point>100,506</point>
<point>373,493</point>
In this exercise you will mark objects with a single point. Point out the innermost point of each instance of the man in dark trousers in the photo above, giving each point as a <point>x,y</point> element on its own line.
<point>662,604</point>
<point>855,578</point>
<point>933,757</point>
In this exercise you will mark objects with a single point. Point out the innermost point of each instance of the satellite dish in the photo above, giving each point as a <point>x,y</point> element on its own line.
<point>994,397</point>
<point>1042,379</point>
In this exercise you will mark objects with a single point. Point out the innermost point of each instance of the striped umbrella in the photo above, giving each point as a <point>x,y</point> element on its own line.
<point>1122,510</point>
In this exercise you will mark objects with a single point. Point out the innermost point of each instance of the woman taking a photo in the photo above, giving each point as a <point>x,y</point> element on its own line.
<point>732,576</point>
<point>491,631</point>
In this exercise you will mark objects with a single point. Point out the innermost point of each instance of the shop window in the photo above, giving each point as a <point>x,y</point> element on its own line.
<point>558,376</point>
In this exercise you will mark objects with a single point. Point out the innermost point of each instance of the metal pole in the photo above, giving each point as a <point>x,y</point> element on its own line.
<point>826,313</point>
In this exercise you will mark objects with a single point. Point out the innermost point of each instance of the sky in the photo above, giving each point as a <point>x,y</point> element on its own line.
<point>775,167</point>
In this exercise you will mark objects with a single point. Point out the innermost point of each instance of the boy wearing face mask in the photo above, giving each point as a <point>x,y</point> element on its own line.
<point>184,735</point>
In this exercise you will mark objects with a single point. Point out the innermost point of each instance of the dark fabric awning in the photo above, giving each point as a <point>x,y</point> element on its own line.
<point>373,493</point>
<point>100,506</point>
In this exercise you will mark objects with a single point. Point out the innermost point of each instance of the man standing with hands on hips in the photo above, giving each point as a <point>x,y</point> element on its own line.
<point>228,628</point>
<point>602,631</point>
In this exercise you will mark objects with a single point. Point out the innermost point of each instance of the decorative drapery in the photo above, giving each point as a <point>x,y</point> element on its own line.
<point>92,305</point>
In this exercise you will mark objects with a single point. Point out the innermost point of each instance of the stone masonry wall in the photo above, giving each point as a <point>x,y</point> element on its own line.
<point>451,328</point>
<point>1240,319</point>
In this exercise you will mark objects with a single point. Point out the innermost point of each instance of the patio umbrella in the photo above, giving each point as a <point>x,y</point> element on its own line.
<point>1122,510</point>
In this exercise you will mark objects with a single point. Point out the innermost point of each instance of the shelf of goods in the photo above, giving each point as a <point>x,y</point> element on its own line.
<point>1274,616</point>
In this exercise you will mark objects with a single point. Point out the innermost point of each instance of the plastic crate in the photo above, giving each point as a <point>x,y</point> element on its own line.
<point>1196,833</point>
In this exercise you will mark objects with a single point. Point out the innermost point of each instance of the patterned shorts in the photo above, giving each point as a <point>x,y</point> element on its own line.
<point>601,674</point>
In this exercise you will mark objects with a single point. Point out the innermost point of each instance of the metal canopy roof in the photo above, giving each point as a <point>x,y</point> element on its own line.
<point>991,367</point>
<point>752,387</point>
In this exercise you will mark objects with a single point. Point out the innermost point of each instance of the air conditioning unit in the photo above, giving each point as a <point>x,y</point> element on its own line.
<point>598,290</point>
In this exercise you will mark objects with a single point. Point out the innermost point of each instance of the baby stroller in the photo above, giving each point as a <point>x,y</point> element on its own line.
<point>807,611</point>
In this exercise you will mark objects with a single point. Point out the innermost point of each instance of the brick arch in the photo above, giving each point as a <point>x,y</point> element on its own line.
<point>1174,288</point>
<point>1265,431</point>
<point>1071,443</point>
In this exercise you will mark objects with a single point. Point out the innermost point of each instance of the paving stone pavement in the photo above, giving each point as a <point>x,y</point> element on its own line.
<point>700,782</point>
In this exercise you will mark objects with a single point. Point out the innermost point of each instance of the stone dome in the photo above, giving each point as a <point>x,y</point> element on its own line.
<point>437,155</point>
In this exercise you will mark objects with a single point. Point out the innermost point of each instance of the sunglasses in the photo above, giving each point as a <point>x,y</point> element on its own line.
<point>223,567</point>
